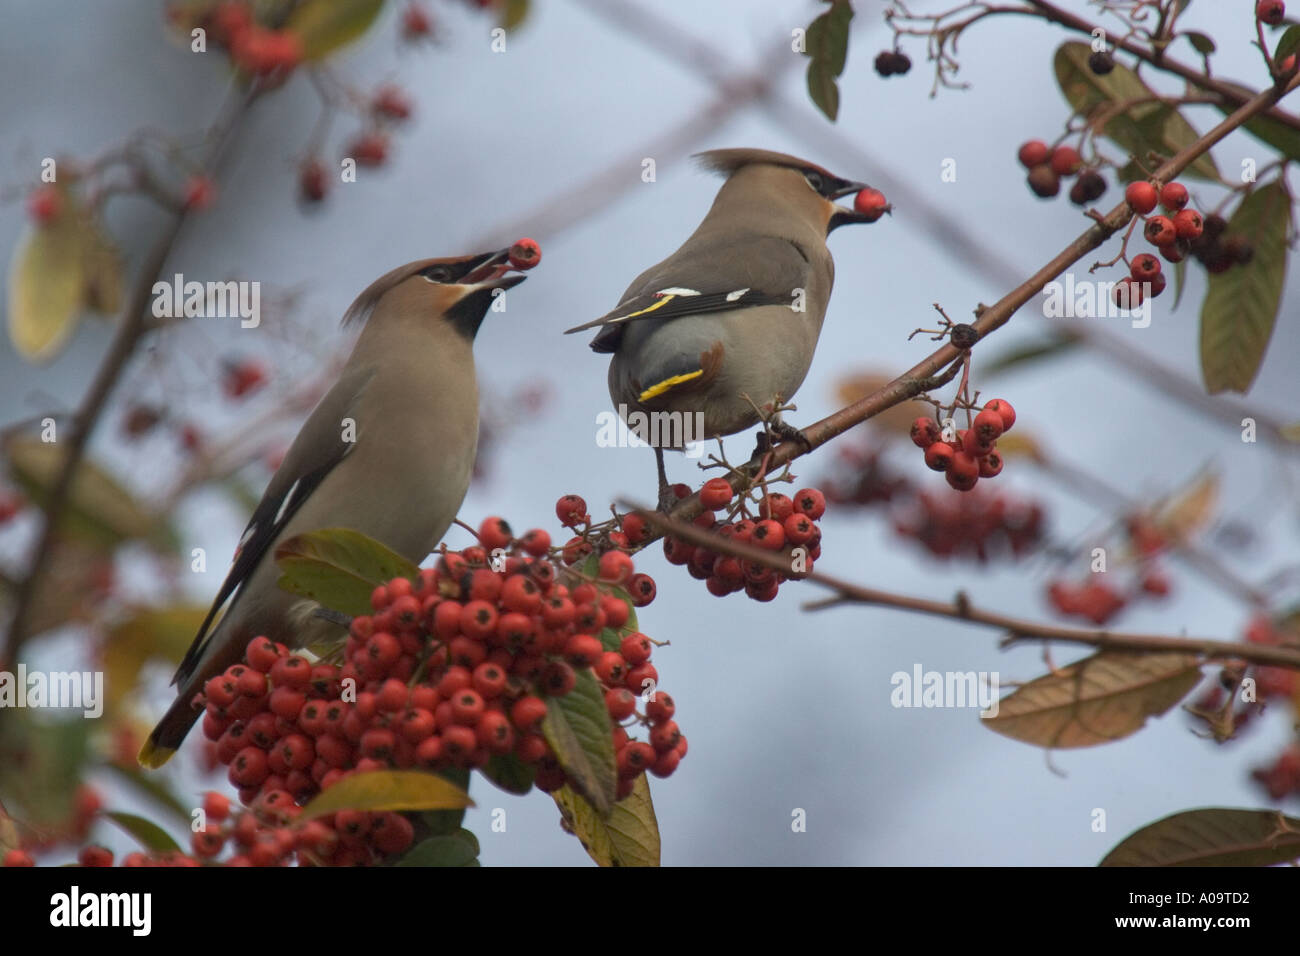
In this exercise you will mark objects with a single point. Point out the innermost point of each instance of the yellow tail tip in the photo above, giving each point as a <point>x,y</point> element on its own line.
<point>153,756</point>
<point>654,391</point>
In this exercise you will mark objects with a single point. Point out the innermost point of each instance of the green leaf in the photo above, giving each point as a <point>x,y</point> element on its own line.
<point>1273,132</point>
<point>147,833</point>
<point>1096,700</point>
<point>510,773</point>
<point>1140,129</point>
<point>628,837</point>
<point>827,44</point>
<point>578,729</point>
<point>458,849</point>
<point>1211,837</point>
<point>339,568</point>
<point>1204,45</point>
<point>325,25</point>
<point>1180,281</point>
<point>513,13</point>
<point>1029,354</point>
<point>383,790</point>
<point>99,510</point>
<point>1241,304</point>
<point>1289,43</point>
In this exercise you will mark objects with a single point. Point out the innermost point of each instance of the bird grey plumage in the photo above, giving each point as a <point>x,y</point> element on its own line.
<point>388,451</point>
<point>728,324</point>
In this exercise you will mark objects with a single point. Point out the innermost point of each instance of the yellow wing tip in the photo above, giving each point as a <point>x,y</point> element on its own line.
<point>153,756</point>
<point>659,388</point>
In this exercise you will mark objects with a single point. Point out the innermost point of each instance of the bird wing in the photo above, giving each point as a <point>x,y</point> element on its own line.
<point>715,275</point>
<point>319,447</point>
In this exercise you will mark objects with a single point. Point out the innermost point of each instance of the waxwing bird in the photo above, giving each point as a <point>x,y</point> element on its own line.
<point>387,452</point>
<point>727,324</point>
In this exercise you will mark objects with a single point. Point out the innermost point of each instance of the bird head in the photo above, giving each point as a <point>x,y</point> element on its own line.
<point>457,290</point>
<point>805,187</point>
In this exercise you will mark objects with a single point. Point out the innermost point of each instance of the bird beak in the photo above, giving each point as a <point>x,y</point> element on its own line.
<point>843,215</point>
<point>491,272</point>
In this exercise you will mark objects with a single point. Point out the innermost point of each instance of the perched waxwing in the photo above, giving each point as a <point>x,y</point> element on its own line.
<point>728,323</point>
<point>388,452</point>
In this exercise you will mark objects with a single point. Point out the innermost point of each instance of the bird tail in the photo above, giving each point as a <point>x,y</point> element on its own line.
<point>169,734</point>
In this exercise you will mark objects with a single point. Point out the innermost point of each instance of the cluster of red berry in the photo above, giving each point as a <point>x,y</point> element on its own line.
<point>1098,601</point>
<point>253,48</point>
<point>450,671</point>
<point>1048,165</point>
<point>781,524</point>
<point>982,524</point>
<point>1172,235</point>
<point>968,455</point>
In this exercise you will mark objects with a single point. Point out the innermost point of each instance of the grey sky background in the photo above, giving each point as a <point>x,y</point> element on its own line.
<point>783,709</point>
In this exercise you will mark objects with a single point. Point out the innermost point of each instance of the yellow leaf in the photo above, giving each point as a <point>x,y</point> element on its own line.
<point>325,25</point>
<point>384,790</point>
<point>897,420</point>
<point>628,837</point>
<point>1187,512</point>
<point>1096,700</point>
<point>47,280</point>
<point>151,633</point>
<point>99,510</point>
<point>1020,445</point>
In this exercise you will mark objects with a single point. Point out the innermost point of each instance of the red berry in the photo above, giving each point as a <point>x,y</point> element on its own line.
<point>1141,197</point>
<point>1160,231</point>
<point>391,102</point>
<point>571,510</point>
<point>642,589</point>
<point>527,714</point>
<point>583,650</point>
<point>1128,293</point>
<point>1271,12</point>
<point>536,542</point>
<point>1004,410</point>
<point>769,535</point>
<point>620,702</point>
<point>810,502</point>
<point>525,254</point>
<point>199,192</point>
<point>636,649</point>
<point>925,432</point>
<point>1034,153</point>
<point>799,529</point>
<point>636,529</point>
<point>1173,196</point>
<point>17,858</point>
<point>716,494</point>
<point>44,204</point>
<point>312,181</point>
<point>494,533</point>
<point>776,506</point>
<point>615,566</point>
<point>1188,223</point>
<point>987,427</point>
<point>95,856</point>
<point>1065,161</point>
<point>1144,266</point>
<point>938,457</point>
<point>369,149</point>
<point>415,22</point>
<point>1044,181</point>
<point>870,204</point>
<point>991,465</point>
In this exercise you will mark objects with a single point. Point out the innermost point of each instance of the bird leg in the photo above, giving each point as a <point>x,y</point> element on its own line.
<point>666,497</point>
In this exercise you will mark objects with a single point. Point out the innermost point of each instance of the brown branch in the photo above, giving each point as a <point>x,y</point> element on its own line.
<point>132,326</point>
<point>914,381</point>
<point>962,609</point>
